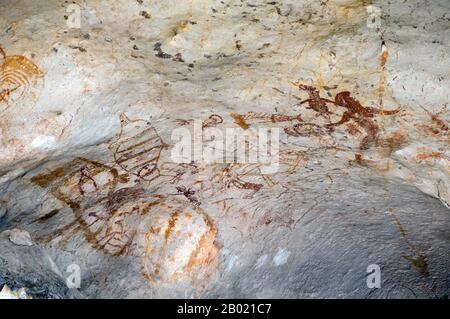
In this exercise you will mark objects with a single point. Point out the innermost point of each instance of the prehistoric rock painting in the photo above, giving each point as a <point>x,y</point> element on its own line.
<point>112,223</point>
<point>17,76</point>
<point>176,172</point>
<point>88,187</point>
<point>438,126</point>
<point>232,179</point>
<point>361,115</point>
<point>189,194</point>
<point>179,242</point>
<point>304,129</point>
<point>293,158</point>
<point>213,120</point>
<point>138,149</point>
<point>170,234</point>
<point>243,120</point>
<point>79,181</point>
<point>315,102</point>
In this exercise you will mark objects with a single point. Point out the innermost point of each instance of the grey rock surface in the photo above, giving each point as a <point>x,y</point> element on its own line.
<point>90,98</point>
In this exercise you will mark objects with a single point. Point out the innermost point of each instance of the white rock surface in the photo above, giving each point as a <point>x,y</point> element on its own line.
<point>7,293</point>
<point>19,237</point>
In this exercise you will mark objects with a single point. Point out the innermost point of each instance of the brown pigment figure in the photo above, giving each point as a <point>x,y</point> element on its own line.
<point>15,72</point>
<point>316,102</point>
<point>264,118</point>
<point>361,115</point>
<point>232,179</point>
<point>5,93</point>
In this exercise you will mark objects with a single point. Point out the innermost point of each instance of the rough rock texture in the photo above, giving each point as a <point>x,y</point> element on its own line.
<point>359,90</point>
<point>19,237</point>
<point>7,293</point>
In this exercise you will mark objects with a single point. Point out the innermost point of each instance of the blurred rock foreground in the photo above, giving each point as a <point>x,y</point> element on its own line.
<point>93,205</point>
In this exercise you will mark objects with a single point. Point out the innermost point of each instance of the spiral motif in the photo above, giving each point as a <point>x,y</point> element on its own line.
<point>17,75</point>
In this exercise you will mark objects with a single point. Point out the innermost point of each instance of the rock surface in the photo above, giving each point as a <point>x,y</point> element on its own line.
<point>19,237</point>
<point>90,96</point>
<point>7,293</point>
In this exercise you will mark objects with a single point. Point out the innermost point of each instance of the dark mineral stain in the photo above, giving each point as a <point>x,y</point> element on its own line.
<point>75,47</point>
<point>145,14</point>
<point>48,215</point>
<point>160,53</point>
<point>417,260</point>
<point>178,58</point>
